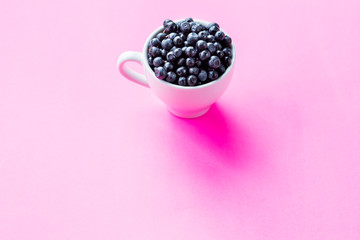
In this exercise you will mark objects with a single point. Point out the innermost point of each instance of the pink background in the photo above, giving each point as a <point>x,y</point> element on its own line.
<point>86,154</point>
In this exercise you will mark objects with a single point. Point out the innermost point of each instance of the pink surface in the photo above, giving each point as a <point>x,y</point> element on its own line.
<point>86,154</point>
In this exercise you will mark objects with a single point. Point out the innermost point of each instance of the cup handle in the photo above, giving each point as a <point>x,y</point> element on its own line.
<point>129,73</point>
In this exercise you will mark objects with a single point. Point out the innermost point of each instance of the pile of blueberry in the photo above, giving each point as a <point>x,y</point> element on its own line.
<point>188,53</point>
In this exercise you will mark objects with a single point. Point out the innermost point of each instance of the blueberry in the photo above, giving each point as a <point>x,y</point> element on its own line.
<point>203,35</point>
<point>160,72</point>
<point>189,20</point>
<point>205,54</point>
<point>166,44</point>
<point>171,77</point>
<point>183,36</point>
<point>213,29</point>
<point>190,51</point>
<point>158,61</point>
<point>166,21</point>
<point>178,52</point>
<point>186,43</point>
<point>211,38</point>
<point>202,75</point>
<point>220,53</point>
<point>219,35</point>
<point>170,27</point>
<point>198,63</point>
<point>172,35</point>
<point>211,47</point>
<point>227,41</point>
<point>163,53</point>
<point>213,75</point>
<point>181,71</point>
<point>192,38</point>
<point>227,52</point>
<point>150,60</point>
<point>218,46</point>
<point>181,62</point>
<point>184,49</point>
<point>185,27</point>
<point>228,61</point>
<point>190,62</point>
<point>173,48</point>
<point>214,62</point>
<point>201,45</point>
<point>191,80</point>
<point>161,36</point>
<point>155,42</point>
<point>213,24</point>
<point>194,71</point>
<point>196,28</point>
<point>154,51</point>
<point>178,41</point>
<point>170,56</point>
<point>182,81</point>
<point>168,66</point>
<point>221,69</point>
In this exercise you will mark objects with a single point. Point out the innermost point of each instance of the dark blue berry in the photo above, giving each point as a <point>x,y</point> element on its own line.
<point>213,24</point>
<point>158,61</point>
<point>163,53</point>
<point>219,35</point>
<point>191,80</point>
<point>170,56</point>
<point>170,27</point>
<point>198,63</point>
<point>183,36</point>
<point>190,62</point>
<point>213,75</point>
<point>218,45</point>
<point>185,27</point>
<point>182,81</point>
<point>203,55</point>
<point>203,35</point>
<point>201,45</point>
<point>213,29</point>
<point>194,71</point>
<point>192,38</point>
<point>196,28</point>
<point>211,47</point>
<point>171,77</point>
<point>190,51</point>
<point>160,72</point>
<point>168,66</point>
<point>172,35</point>
<point>181,71</point>
<point>181,62</point>
<point>166,21</point>
<point>211,38</point>
<point>227,41</point>
<point>155,42</point>
<point>214,62</point>
<point>202,75</point>
<point>161,36</point>
<point>178,52</point>
<point>189,20</point>
<point>221,69</point>
<point>228,61</point>
<point>166,44</point>
<point>220,53</point>
<point>186,43</point>
<point>227,51</point>
<point>178,41</point>
<point>150,60</point>
<point>154,51</point>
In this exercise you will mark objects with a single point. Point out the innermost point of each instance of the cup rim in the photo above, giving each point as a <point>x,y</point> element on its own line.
<point>148,68</point>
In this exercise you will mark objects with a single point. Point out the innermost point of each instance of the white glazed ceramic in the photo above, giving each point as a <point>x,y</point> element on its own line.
<point>182,101</point>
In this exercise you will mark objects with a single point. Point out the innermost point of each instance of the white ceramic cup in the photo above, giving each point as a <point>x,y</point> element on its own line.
<point>182,101</point>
